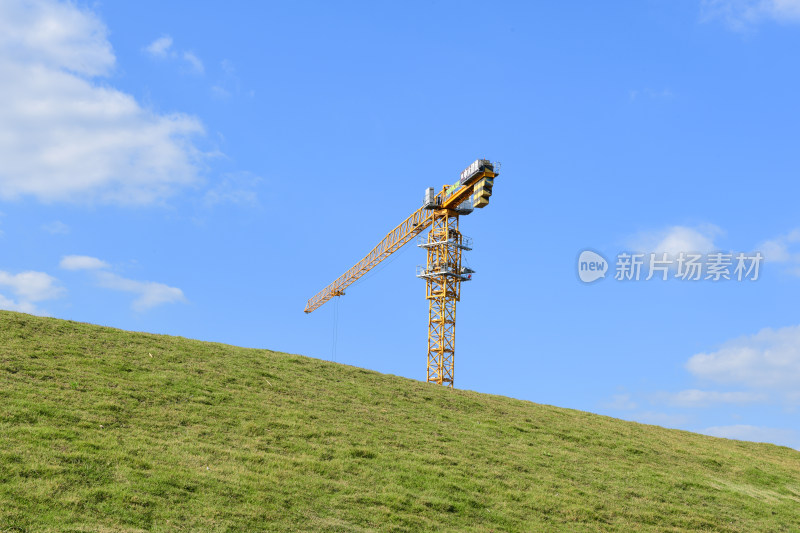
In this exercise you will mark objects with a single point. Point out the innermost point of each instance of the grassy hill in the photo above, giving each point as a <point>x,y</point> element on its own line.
<point>107,430</point>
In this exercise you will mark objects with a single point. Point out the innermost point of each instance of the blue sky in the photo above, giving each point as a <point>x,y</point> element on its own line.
<point>203,168</point>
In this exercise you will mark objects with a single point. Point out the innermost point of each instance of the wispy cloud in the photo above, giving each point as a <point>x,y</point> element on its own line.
<point>620,402</point>
<point>787,437</point>
<point>149,293</point>
<point>162,48</point>
<point>56,228</point>
<point>766,369</point>
<point>82,262</point>
<point>28,288</point>
<point>676,239</point>
<point>741,15</point>
<point>704,398</point>
<point>770,359</point>
<point>234,188</point>
<point>194,61</point>
<point>793,399</point>
<point>229,84</point>
<point>784,249</point>
<point>66,137</point>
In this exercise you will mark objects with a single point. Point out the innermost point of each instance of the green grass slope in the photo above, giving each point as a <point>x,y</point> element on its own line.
<point>107,430</point>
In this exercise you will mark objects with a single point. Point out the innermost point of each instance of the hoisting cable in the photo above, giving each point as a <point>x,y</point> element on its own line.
<point>335,328</point>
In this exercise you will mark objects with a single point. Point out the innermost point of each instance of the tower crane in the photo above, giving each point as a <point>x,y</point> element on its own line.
<point>443,272</point>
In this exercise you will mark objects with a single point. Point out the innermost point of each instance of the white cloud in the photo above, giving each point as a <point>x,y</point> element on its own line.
<point>765,367</point>
<point>29,288</point>
<point>768,359</point>
<point>55,36</point>
<point>701,398</point>
<point>673,241</point>
<point>160,46</point>
<point>56,228</point>
<point>220,92</point>
<point>793,399</point>
<point>742,14</point>
<point>21,307</point>
<point>783,249</point>
<point>775,251</point>
<point>193,60</point>
<point>66,137</point>
<point>235,188</point>
<point>620,402</point>
<point>787,437</point>
<point>151,294</point>
<point>676,239</point>
<point>82,262</point>
<point>229,84</point>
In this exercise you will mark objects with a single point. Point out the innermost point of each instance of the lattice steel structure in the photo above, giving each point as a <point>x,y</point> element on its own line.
<point>443,271</point>
<point>443,275</point>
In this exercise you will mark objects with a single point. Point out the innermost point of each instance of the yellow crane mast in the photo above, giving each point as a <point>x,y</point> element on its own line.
<point>443,272</point>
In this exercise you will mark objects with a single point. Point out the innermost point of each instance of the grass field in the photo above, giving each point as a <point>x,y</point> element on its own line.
<point>107,430</point>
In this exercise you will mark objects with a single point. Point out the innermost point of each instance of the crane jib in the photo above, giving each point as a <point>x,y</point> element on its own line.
<point>395,240</point>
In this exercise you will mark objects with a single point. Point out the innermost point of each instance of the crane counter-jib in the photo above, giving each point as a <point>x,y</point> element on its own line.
<point>452,197</point>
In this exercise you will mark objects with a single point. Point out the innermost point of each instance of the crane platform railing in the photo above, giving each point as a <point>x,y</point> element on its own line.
<point>465,244</point>
<point>463,273</point>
